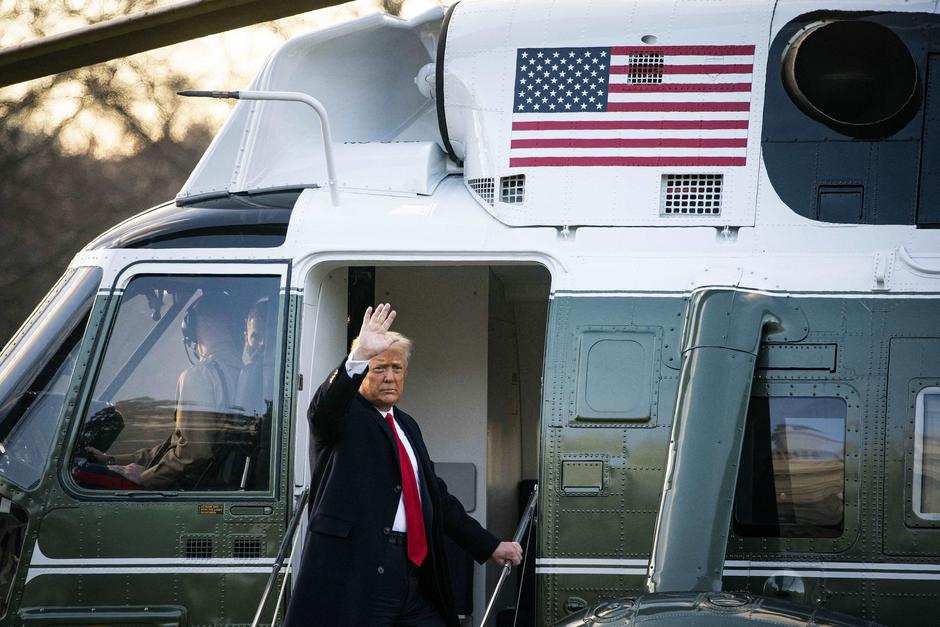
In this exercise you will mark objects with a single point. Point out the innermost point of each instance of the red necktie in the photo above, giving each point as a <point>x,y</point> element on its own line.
<point>417,541</point>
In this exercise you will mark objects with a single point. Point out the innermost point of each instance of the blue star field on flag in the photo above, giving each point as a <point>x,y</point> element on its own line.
<point>561,80</point>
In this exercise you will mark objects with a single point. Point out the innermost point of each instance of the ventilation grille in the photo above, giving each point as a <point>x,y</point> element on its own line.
<point>691,194</point>
<point>512,189</point>
<point>484,188</point>
<point>198,547</point>
<point>246,547</point>
<point>645,68</point>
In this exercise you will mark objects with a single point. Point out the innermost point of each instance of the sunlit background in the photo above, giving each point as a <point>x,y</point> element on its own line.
<point>225,61</point>
<point>85,149</point>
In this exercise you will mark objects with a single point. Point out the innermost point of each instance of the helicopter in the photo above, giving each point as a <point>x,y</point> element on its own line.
<point>689,260</point>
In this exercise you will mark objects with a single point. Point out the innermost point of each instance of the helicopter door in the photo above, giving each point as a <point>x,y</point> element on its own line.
<point>169,478</point>
<point>473,383</point>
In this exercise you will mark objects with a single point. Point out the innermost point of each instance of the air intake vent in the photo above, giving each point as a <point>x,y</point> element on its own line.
<point>691,194</point>
<point>246,547</point>
<point>484,188</point>
<point>645,68</point>
<point>512,189</point>
<point>198,547</point>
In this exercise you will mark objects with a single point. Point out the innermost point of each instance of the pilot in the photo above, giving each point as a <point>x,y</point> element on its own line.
<point>204,400</point>
<point>375,543</point>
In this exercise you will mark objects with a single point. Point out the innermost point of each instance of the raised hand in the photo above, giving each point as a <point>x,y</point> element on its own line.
<point>372,337</point>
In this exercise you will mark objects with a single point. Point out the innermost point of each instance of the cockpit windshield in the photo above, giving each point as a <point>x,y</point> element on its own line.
<point>183,397</point>
<point>35,374</point>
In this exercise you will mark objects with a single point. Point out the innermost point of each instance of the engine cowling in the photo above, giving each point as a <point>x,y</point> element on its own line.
<point>706,609</point>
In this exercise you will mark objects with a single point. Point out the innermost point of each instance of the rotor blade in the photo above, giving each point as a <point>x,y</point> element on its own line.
<point>139,32</point>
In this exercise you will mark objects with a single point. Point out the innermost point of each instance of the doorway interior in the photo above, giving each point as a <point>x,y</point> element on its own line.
<point>474,381</point>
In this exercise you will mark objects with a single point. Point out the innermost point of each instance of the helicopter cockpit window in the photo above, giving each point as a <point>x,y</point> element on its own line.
<point>35,375</point>
<point>183,397</point>
<point>792,474</point>
<point>926,488</point>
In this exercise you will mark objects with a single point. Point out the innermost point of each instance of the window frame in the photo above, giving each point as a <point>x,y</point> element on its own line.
<point>761,529</point>
<point>852,468</point>
<point>41,310</point>
<point>280,268</point>
<point>918,464</point>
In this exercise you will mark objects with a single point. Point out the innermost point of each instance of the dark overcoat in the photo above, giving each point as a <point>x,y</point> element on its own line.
<point>355,489</point>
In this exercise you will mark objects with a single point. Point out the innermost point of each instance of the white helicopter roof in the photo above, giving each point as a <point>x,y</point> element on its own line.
<point>363,71</point>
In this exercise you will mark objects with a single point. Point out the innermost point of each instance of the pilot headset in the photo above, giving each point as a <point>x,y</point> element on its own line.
<point>219,302</point>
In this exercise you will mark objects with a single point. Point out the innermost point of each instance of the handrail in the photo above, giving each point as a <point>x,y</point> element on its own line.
<point>287,572</point>
<point>524,523</point>
<point>286,543</point>
<point>287,96</point>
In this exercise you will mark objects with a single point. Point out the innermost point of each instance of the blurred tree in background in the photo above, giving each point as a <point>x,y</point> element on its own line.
<point>60,185</point>
<point>56,195</point>
<point>83,150</point>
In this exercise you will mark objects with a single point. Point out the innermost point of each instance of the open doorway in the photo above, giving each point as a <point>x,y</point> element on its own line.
<point>474,381</point>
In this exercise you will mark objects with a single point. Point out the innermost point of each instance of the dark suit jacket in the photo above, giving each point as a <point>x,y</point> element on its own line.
<point>355,490</point>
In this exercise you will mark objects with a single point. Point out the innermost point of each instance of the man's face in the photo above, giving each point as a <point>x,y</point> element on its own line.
<point>254,336</point>
<point>206,336</point>
<point>385,380</point>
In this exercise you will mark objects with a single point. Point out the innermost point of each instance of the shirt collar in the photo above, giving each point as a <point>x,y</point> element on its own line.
<point>382,413</point>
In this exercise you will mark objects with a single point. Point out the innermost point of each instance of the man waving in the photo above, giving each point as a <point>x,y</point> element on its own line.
<point>375,545</point>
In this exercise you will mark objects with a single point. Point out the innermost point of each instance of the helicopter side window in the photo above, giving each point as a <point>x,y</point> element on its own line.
<point>792,474</point>
<point>183,397</point>
<point>926,488</point>
<point>35,374</point>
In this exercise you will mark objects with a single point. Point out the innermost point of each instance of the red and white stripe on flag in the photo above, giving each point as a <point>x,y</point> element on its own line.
<point>668,106</point>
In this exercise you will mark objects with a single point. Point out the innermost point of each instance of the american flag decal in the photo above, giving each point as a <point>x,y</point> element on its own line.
<point>632,106</point>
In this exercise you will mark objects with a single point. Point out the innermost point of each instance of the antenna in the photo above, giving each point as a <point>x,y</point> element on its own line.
<point>287,96</point>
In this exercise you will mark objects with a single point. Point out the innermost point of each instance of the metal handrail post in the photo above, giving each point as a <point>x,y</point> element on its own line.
<point>507,567</point>
<point>286,543</point>
<point>288,96</point>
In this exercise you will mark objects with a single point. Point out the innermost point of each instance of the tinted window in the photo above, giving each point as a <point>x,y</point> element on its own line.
<point>35,374</point>
<point>183,398</point>
<point>792,475</point>
<point>170,226</point>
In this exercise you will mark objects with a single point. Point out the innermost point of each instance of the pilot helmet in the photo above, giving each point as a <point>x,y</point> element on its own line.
<point>211,305</point>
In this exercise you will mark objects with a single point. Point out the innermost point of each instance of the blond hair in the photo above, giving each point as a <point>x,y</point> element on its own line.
<point>401,344</point>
